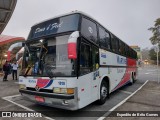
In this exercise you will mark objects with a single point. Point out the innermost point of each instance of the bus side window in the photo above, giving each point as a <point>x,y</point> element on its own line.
<point>95,58</point>
<point>114,44</point>
<point>121,48</point>
<point>85,58</point>
<point>125,50</point>
<point>89,30</point>
<point>104,38</point>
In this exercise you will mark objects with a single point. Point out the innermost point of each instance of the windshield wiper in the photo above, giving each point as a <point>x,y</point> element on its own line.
<point>28,69</point>
<point>48,69</point>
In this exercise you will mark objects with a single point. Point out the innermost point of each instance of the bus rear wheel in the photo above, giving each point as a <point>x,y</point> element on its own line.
<point>132,79</point>
<point>103,93</point>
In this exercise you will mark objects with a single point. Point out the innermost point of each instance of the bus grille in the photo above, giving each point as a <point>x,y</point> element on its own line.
<point>40,90</point>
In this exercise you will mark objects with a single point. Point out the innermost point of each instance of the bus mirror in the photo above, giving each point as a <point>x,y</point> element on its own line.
<point>72,43</point>
<point>72,52</point>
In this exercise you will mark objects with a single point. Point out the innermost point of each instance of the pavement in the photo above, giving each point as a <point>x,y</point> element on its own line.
<point>7,88</point>
<point>143,105</point>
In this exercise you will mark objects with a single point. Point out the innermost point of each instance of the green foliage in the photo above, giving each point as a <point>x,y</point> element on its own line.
<point>153,55</point>
<point>156,34</point>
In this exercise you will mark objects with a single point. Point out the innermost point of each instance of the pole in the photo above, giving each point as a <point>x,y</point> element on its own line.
<point>158,31</point>
<point>157,62</point>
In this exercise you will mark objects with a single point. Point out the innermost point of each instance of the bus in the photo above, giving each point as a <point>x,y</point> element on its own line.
<point>71,61</point>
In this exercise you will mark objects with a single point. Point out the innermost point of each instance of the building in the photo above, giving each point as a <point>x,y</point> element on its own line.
<point>6,10</point>
<point>5,43</point>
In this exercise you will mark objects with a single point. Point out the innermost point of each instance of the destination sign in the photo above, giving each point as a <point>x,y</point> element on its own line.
<point>54,26</point>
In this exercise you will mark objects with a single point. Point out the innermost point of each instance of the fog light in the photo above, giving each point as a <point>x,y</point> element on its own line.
<point>65,102</point>
<point>22,86</point>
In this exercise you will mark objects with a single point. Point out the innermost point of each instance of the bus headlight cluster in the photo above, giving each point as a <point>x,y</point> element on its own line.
<point>22,86</point>
<point>63,90</point>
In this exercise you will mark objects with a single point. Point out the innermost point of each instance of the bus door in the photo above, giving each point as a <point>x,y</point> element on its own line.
<point>89,73</point>
<point>95,72</point>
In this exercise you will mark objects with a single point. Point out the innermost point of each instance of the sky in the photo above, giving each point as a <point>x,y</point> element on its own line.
<point>129,20</point>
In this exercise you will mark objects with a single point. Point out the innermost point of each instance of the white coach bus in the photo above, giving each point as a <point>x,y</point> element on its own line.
<point>71,61</point>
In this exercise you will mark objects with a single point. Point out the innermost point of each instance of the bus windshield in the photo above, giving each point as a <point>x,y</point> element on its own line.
<point>48,57</point>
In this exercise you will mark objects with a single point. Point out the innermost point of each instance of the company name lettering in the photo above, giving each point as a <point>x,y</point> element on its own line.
<point>32,81</point>
<point>121,60</point>
<point>49,27</point>
<point>103,55</point>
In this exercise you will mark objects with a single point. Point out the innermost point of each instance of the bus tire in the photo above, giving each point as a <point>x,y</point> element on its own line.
<point>104,93</point>
<point>134,77</point>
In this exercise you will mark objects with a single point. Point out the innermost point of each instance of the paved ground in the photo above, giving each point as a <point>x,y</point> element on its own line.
<point>10,88</point>
<point>145,102</point>
<point>145,99</point>
<point>148,72</point>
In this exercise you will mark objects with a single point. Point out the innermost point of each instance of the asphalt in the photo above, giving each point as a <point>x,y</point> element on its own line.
<point>9,88</point>
<point>143,105</point>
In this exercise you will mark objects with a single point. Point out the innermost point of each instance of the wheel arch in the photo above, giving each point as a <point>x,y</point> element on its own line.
<point>107,79</point>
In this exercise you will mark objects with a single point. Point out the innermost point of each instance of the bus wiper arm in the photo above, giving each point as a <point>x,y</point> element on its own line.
<point>28,69</point>
<point>49,69</point>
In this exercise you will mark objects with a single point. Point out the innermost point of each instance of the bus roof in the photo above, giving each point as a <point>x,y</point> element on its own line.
<point>70,13</point>
<point>82,13</point>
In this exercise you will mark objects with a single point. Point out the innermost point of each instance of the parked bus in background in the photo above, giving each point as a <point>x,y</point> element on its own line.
<point>71,61</point>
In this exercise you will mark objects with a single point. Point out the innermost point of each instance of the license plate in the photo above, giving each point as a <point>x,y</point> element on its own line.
<point>39,99</point>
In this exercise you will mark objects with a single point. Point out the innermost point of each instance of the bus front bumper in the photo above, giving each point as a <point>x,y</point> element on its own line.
<point>68,102</point>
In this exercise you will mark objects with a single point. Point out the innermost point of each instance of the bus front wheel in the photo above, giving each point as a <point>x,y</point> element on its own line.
<point>103,93</point>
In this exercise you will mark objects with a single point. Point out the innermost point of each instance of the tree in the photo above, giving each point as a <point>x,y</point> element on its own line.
<point>153,55</point>
<point>156,32</point>
<point>145,53</point>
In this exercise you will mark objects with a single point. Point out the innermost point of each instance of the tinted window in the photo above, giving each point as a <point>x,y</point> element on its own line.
<point>95,58</point>
<point>132,54</point>
<point>85,58</point>
<point>57,25</point>
<point>121,47</point>
<point>135,55</point>
<point>104,38</point>
<point>89,30</point>
<point>115,45</point>
<point>128,51</point>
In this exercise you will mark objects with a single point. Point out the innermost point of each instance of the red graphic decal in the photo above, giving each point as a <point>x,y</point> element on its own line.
<point>127,76</point>
<point>41,83</point>
<point>72,53</point>
<point>131,62</point>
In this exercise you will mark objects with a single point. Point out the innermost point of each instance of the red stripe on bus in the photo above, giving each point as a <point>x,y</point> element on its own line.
<point>127,75</point>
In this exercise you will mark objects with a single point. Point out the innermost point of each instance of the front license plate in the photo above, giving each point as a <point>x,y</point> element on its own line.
<point>39,99</point>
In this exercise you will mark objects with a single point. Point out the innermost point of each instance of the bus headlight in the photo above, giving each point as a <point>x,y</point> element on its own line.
<point>56,90</point>
<point>22,86</point>
<point>63,90</point>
